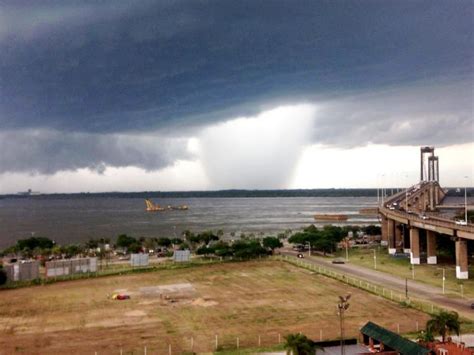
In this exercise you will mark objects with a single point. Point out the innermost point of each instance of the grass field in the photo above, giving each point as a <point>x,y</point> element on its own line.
<point>430,274</point>
<point>230,300</point>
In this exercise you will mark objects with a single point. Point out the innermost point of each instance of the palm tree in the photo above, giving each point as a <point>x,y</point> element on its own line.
<point>443,323</point>
<point>299,344</point>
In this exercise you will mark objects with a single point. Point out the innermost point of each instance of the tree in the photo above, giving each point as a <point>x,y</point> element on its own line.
<point>207,237</point>
<point>272,243</point>
<point>135,248</point>
<point>372,230</point>
<point>442,323</point>
<point>72,250</point>
<point>204,250</point>
<point>33,243</point>
<point>3,276</point>
<point>299,344</point>
<point>425,337</point>
<point>164,242</point>
<point>93,243</point>
<point>299,238</point>
<point>125,241</point>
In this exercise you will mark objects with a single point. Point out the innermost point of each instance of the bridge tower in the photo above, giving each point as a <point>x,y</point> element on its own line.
<point>427,161</point>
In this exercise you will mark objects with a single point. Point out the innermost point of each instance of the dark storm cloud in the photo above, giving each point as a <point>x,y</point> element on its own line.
<point>46,152</point>
<point>412,115</point>
<point>124,66</point>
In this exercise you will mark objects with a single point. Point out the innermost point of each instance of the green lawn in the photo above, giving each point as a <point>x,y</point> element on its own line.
<point>430,274</point>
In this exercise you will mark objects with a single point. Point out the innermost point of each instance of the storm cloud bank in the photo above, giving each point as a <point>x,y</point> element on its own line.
<point>116,67</point>
<point>92,85</point>
<point>47,152</point>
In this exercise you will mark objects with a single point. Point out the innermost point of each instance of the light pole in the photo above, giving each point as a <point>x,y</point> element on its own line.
<point>309,251</point>
<point>383,191</point>
<point>465,199</point>
<point>347,249</point>
<point>444,277</point>
<point>342,306</point>
<point>406,194</point>
<point>375,260</point>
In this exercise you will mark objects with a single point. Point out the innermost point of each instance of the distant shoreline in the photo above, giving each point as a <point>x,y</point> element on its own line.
<point>236,193</point>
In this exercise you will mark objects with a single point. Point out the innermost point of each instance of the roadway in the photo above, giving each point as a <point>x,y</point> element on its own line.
<point>395,283</point>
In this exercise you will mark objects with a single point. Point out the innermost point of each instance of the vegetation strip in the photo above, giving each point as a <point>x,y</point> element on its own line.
<point>366,286</point>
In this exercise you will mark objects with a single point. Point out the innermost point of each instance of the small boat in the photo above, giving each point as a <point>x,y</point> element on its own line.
<point>330,217</point>
<point>151,207</point>
<point>369,211</point>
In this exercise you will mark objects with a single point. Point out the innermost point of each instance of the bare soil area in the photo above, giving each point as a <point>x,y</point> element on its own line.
<point>187,308</point>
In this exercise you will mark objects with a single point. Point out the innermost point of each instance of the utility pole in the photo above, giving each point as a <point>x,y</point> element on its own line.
<point>375,259</point>
<point>406,195</point>
<point>342,306</point>
<point>406,288</point>
<point>465,199</point>
<point>347,249</point>
<point>444,278</point>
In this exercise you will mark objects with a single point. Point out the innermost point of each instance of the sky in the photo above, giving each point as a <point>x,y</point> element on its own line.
<point>205,95</point>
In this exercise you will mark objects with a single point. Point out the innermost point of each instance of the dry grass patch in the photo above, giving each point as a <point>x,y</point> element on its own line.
<point>231,300</point>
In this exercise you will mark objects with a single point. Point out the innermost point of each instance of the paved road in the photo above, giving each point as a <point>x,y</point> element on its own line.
<point>415,289</point>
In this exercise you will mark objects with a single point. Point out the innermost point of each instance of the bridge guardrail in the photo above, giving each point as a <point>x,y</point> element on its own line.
<point>435,221</point>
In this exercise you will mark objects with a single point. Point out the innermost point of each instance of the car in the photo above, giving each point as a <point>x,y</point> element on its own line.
<point>423,216</point>
<point>461,222</point>
<point>338,261</point>
<point>472,305</point>
<point>301,256</point>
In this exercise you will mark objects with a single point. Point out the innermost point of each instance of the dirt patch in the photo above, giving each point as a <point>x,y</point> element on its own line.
<point>198,303</point>
<point>136,313</point>
<point>204,302</point>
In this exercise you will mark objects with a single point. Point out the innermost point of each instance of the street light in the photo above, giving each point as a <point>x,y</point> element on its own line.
<point>406,195</point>
<point>375,260</point>
<point>444,276</point>
<point>347,248</point>
<point>342,306</point>
<point>383,191</point>
<point>465,199</point>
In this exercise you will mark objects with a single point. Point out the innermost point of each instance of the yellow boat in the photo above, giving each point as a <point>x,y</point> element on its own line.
<point>151,207</point>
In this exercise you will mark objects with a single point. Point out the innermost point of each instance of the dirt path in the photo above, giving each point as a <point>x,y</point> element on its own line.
<point>419,290</point>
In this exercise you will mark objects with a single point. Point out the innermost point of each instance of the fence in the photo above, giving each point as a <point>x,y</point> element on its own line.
<point>139,259</point>
<point>23,271</point>
<point>272,340</point>
<point>181,256</point>
<point>68,267</point>
<point>382,291</point>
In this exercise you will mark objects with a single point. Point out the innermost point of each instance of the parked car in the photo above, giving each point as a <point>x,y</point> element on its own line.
<point>461,222</point>
<point>301,256</point>
<point>338,261</point>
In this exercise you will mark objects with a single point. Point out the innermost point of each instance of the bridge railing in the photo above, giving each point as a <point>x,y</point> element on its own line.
<point>435,221</point>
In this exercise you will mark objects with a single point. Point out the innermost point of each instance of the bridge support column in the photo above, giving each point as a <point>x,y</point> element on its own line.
<point>461,259</point>
<point>414,246</point>
<point>398,237</point>
<point>384,241</point>
<point>432,202</point>
<point>391,236</point>
<point>431,247</point>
